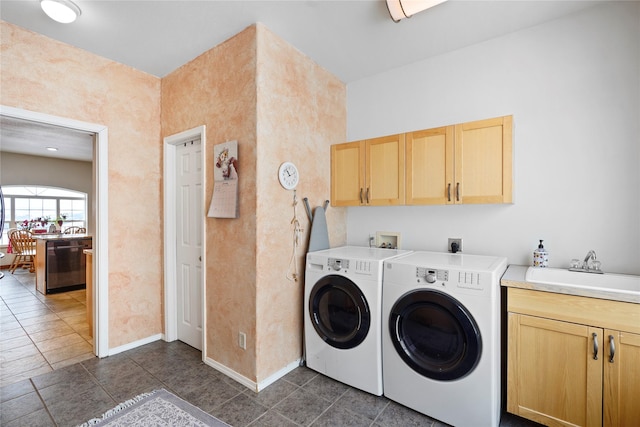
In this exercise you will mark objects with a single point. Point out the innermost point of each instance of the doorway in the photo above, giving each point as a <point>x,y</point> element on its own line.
<point>100,203</point>
<point>184,237</point>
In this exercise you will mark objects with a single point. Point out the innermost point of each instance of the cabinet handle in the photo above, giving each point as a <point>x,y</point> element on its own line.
<point>448,192</point>
<point>367,195</point>
<point>612,348</point>
<point>457,191</point>
<point>361,199</point>
<point>595,346</point>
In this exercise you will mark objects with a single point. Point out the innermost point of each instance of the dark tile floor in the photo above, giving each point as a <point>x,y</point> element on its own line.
<point>67,394</point>
<point>77,393</point>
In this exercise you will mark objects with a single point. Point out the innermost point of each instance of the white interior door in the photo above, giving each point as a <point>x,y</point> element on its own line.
<point>189,214</point>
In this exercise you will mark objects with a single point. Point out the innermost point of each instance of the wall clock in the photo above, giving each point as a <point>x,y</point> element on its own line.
<point>288,175</point>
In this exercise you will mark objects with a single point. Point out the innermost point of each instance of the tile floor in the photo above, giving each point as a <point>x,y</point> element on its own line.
<point>64,394</point>
<point>39,333</point>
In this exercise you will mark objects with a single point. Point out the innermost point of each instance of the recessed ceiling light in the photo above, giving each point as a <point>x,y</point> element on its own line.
<point>52,149</point>
<point>63,11</point>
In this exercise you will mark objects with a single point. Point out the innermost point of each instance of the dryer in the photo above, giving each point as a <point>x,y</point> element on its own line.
<point>342,314</point>
<point>441,336</point>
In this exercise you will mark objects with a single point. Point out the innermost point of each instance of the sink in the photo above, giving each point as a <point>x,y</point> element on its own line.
<point>607,282</point>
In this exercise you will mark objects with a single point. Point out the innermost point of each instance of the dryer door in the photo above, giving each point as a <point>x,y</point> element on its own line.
<point>435,335</point>
<point>339,312</point>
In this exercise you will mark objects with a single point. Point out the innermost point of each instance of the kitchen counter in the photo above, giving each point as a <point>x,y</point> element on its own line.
<point>514,277</point>
<point>60,262</point>
<point>56,236</point>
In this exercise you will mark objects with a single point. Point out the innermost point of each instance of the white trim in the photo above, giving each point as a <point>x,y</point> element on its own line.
<point>252,385</point>
<point>135,344</point>
<point>277,375</point>
<point>169,194</point>
<point>101,238</point>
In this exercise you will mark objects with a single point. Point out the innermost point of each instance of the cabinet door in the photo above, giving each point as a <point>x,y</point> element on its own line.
<point>347,174</point>
<point>430,166</point>
<point>621,379</point>
<point>483,161</point>
<point>384,171</point>
<point>553,375</point>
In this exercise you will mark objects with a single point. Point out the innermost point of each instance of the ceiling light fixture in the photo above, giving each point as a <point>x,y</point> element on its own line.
<point>63,11</point>
<point>400,9</point>
<point>52,149</point>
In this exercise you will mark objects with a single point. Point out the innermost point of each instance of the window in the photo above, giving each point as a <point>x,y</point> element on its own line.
<point>32,203</point>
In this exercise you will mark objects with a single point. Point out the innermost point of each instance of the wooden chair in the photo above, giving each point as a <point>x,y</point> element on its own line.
<point>10,249</point>
<point>75,230</point>
<point>23,246</point>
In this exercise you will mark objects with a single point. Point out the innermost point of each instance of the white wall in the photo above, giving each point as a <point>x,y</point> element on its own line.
<point>573,87</point>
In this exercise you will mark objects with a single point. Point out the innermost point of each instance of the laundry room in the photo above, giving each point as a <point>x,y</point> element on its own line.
<point>543,86</point>
<point>342,256</point>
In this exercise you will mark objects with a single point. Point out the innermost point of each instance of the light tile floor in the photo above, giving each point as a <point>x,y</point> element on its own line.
<point>39,333</point>
<point>62,392</point>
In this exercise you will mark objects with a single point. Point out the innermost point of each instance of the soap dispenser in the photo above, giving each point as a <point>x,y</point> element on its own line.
<point>540,256</point>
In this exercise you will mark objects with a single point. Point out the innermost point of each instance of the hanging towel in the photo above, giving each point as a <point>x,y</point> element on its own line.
<point>319,238</point>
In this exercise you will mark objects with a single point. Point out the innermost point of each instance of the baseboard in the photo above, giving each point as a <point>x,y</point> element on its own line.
<point>134,344</point>
<point>279,374</point>
<point>250,384</point>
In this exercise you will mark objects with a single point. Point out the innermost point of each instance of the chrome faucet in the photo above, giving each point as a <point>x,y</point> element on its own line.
<point>591,255</point>
<point>589,265</point>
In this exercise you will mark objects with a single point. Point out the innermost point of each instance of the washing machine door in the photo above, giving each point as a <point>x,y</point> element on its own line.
<point>435,335</point>
<point>339,312</point>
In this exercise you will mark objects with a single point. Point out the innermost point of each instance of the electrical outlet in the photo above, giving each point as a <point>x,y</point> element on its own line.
<point>242,340</point>
<point>457,241</point>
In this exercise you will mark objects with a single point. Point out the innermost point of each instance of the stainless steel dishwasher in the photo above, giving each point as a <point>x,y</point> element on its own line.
<point>66,264</point>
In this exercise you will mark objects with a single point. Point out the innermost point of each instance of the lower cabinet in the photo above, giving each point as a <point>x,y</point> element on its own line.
<point>573,361</point>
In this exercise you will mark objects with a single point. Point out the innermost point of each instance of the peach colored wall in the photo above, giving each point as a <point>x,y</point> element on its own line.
<point>253,88</point>
<point>301,113</point>
<point>278,105</point>
<point>43,75</point>
<point>218,89</point>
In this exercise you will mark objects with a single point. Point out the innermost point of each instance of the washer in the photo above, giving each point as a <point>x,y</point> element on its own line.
<point>441,336</point>
<point>342,312</point>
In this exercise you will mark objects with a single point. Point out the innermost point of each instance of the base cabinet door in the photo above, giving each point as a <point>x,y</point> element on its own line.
<point>554,371</point>
<point>621,379</point>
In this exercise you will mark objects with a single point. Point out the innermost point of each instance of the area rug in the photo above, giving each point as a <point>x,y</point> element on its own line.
<point>158,408</point>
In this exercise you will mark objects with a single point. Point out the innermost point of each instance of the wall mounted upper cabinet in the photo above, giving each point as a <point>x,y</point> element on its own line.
<point>430,166</point>
<point>484,161</point>
<point>458,164</point>
<point>465,163</point>
<point>368,173</point>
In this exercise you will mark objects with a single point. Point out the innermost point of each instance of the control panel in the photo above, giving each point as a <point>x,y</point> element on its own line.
<point>359,266</point>
<point>459,279</point>
<point>432,275</point>
<point>337,264</point>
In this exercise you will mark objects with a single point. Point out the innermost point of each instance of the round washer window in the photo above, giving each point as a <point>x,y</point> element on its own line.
<point>339,312</point>
<point>435,335</point>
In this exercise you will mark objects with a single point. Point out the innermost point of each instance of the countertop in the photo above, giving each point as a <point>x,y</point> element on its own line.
<point>514,277</point>
<point>61,236</point>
